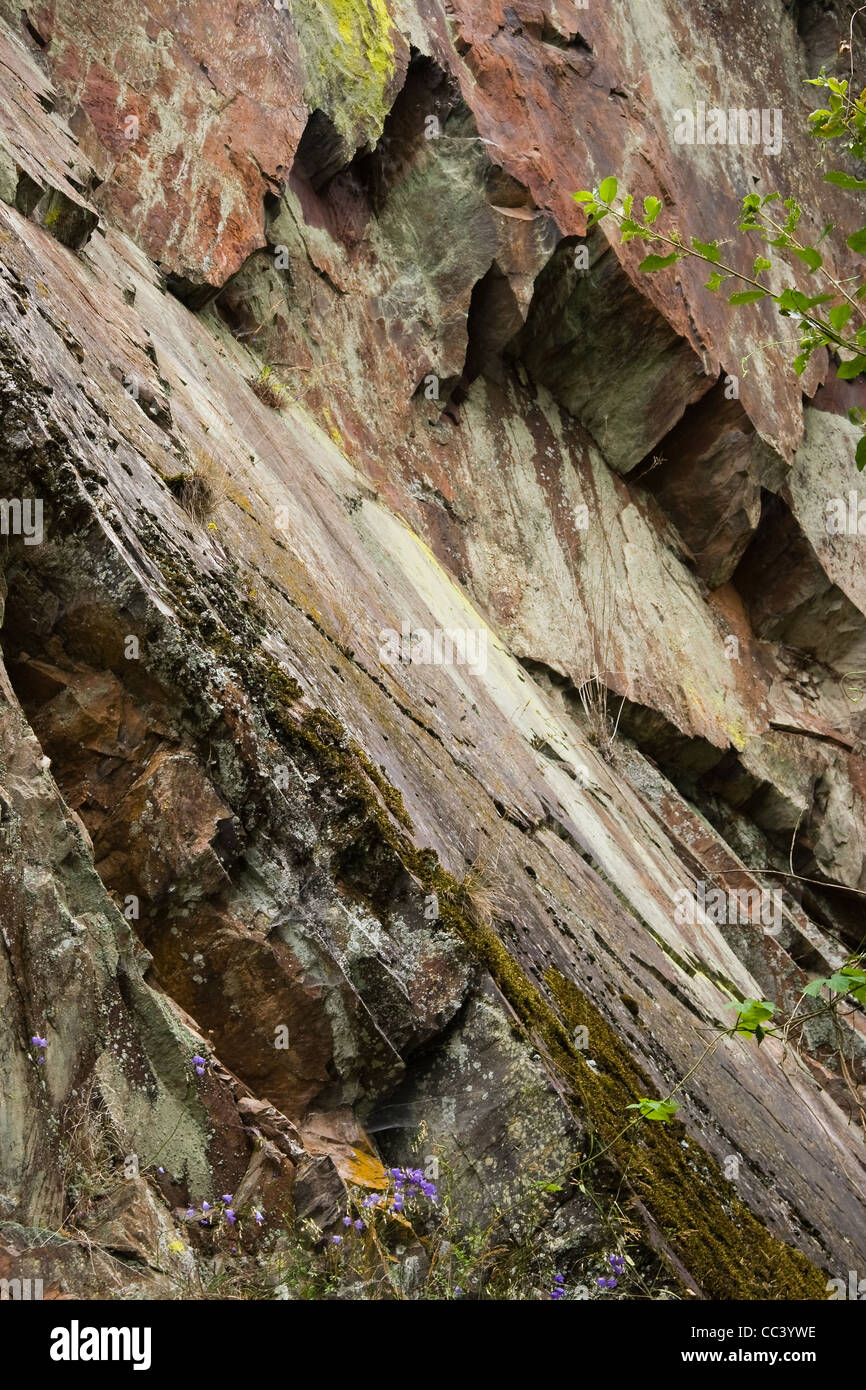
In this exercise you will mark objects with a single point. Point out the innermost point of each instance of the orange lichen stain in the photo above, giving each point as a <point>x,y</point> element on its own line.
<point>363,1169</point>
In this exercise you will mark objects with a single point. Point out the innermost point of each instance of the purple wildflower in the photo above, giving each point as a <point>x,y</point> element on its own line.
<point>338,1240</point>
<point>559,1278</point>
<point>557,1292</point>
<point>230,1216</point>
<point>258,1217</point>
<point>205,1206</point>
<point>228,1197</point>
<point>359,1225</point>
<point>39,1042</point>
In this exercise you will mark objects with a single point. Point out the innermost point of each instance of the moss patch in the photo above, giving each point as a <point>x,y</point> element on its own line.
<point>349,55</point>
<point>720,1241</point>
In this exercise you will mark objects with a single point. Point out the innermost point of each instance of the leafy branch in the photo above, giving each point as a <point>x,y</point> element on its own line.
<point>841,325</point>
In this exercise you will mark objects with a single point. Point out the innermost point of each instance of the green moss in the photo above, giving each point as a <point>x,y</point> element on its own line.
<point>281,687</point>
<point>349,58</point>
<point>719,1240</point>
<point>350,773</point>
<point>392,798</point>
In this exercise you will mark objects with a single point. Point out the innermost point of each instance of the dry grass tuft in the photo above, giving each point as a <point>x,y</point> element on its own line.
<point>483,888</point>
<point>202,491</point>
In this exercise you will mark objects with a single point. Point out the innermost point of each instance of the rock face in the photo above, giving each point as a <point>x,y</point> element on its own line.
<point>383,750</point>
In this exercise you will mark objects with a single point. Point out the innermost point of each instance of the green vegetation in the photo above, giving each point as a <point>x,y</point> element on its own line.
<point>834,318</point>
<point>269,389</point>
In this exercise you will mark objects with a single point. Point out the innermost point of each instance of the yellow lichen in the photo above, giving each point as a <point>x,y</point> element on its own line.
<point>349,54</point>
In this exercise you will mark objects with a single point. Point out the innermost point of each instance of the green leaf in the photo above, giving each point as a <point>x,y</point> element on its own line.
<point>857,242</point>
<point>800,362</point>
<point>747,296</point>
<point>860,456</point>
<point>813,989</point>
<point>651,263</point>
<point>630,229</point>
<point>607,190</point>
<point>584,196</point>
<point>655,1109</point>
<point>752,1014</point>
<point>761,264</point>
<point>793,218</point>
<point>839,316</point>
<point>813,258</point>
<point>844,180</point>
<point>791,301</point>
<point>715,280</point>
<point>652,207</point>
<point>848,980</point>
<point>843,984</point>
<point>708,249</point>
<point>848,370</point>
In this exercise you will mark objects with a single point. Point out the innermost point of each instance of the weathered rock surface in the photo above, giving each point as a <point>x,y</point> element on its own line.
<point>377,894</point>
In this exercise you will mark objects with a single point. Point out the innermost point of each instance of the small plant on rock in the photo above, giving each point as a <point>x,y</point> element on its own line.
<point>269,389</point>
<point>201,492</point>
